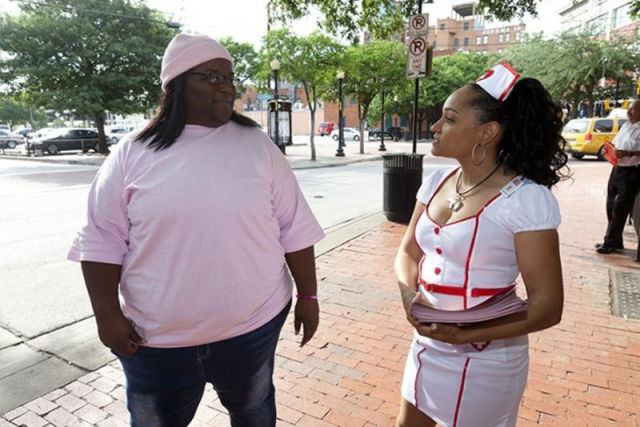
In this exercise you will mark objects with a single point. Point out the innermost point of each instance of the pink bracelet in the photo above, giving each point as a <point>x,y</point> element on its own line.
<point>307,296</point>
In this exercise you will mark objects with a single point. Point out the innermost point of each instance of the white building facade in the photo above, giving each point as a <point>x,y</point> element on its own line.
<point>606,16</point>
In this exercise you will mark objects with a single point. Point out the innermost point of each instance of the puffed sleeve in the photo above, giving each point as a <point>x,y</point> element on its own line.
<point>531,208</point>
<point>104,236</point>
<point>299,228</point>
<point>430,183</point>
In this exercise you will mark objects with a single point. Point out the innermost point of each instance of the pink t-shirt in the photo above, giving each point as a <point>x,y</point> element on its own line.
<point>200,229</point>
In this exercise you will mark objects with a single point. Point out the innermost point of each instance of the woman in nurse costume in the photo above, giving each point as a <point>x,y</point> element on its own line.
<point>475,227</point>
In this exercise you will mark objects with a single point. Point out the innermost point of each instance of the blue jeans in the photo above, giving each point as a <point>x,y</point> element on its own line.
<point>165,385</point>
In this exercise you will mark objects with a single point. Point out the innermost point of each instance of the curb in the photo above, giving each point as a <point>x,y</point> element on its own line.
<point>98,161</point>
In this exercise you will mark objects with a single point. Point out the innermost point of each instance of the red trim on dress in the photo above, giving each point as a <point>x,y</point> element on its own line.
<point>458,291</point>
<point>464,375</point>
<point>426,207</point>
<point>472,245</point>
<point>415,384</point>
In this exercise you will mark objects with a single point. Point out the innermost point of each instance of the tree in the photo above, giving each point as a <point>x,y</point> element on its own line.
<point>15,112</point>
<point>311,61</point>
<point>69,55</point>
<point>246,62</point>
<point>383,18</point>
<point>572,66</point>
<point>450,72</point>
<point>369,68</point>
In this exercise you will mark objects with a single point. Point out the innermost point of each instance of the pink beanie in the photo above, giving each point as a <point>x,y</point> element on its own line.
<point>186,51</point>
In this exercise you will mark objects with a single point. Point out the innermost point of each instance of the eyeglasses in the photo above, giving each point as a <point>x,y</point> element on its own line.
<point>217,79</point>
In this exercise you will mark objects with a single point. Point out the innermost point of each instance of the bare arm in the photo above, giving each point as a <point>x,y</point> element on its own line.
<point>114,329</point>
<point>538,257</point>
<point>307,312</point>
<point>407,260</point>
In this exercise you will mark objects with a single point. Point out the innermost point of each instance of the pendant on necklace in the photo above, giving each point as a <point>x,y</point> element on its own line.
<point>456,202</point>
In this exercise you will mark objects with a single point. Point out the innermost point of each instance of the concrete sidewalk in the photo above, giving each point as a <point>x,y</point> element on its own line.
<point>297,154</point>
<point>583,372</point>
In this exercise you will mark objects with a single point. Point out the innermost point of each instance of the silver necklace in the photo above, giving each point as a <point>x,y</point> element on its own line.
<point>457,202</point>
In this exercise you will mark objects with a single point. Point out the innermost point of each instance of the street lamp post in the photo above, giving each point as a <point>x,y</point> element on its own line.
<point>395,102</point>
<point>340,151</point>
<point>382,147</point>
<point>275,66</point>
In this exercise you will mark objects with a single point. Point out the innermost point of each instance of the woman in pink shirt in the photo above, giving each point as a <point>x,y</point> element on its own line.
<point>192,228</point>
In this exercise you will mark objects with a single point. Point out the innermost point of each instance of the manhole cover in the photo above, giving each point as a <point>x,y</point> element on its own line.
<point>625,294</point>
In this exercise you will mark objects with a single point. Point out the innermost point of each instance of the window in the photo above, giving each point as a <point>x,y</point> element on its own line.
<point>442,26</point>
<point>507,37</point>
<point>621,16</point>
<point>621,122</point>
<point>599,24</point>
<point>465,26</point>
<point>485,39</point>
<point>603,126</point>
<point>478,40</point>
<point>500,38</point>
<point>466,41</point>
<point>352,100</point>
<point>456,43</point>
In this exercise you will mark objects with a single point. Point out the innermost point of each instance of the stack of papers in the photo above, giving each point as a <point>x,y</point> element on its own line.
<point>500,306</point>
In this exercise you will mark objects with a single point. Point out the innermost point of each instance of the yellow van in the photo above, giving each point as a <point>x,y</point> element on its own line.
<point>586,136</point>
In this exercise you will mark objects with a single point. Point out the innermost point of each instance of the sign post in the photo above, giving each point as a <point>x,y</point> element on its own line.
<point>418,59</point>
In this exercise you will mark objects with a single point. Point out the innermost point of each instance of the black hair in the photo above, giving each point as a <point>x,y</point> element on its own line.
<point>532,144</point>
<point>163,130</point>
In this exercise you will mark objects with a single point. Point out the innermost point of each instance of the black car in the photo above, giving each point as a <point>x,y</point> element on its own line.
<point>389,132</point>
<point>67,139</point>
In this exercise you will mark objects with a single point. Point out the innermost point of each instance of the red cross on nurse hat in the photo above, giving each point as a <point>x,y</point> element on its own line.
<point>499,81</point>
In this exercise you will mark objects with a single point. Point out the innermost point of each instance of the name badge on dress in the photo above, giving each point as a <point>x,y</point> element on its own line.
<point>512,186</point>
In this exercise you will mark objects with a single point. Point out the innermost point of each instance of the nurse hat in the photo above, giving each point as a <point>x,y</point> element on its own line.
<point>499,81</point>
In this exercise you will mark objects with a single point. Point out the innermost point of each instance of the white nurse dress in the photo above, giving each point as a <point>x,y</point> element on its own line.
<point>464,264</point>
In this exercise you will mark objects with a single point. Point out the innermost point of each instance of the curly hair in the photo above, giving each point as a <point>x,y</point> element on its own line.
<point>532,144</point>
<point>163,130</point>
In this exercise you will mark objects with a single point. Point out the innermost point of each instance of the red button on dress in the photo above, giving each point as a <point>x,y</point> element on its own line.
<point>438,270</point>
<point>439,251</point>
<point>436,230</point>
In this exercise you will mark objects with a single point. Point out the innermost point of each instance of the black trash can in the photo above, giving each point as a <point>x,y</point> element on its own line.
<point>402,178</point>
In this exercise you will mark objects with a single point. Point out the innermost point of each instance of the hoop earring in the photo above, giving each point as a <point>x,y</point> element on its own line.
<point>473,154</point>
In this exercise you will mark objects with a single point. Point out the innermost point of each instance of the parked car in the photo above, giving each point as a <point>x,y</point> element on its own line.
<point>40,133</point>
<point>114,134</point>
<point>389,132</point>
<point>348,133</point>
<point>587,136</point>
<point>64,139</point>
<point>10,140</point>
<point>326,128</point>
<point>25,131</point>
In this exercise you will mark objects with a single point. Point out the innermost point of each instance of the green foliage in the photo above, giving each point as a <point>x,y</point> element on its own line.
<point>73,55</point>
<point>369,68</point>
<point>572,65</point>
<point>383,18</point>
<point>17,113</point>
<point>380,18</point>
<point>310,60</point>
<point>246,61</point>
<point>450,72</point>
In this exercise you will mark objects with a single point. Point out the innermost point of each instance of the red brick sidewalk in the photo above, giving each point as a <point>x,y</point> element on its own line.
<point>585,371</point>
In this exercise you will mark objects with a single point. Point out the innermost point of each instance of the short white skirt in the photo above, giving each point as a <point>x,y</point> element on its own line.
<point>477,384</point>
